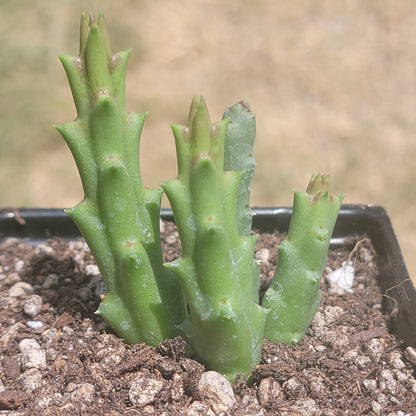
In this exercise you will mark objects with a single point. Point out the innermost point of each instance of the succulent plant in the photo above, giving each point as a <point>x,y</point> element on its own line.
<point>118,216</point>
<point>210,294</point>
<point>216,270</point>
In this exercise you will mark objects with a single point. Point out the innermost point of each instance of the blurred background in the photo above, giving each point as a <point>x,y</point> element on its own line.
<point>333,86</point>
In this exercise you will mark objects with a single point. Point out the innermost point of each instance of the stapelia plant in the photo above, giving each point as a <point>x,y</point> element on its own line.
<point>118,217</point>
<point>210,294</point>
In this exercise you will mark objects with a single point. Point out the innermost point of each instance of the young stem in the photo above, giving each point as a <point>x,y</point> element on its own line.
<point>294,294</point>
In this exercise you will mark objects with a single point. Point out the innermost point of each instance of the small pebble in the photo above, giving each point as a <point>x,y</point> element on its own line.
<point>305,407</point>
<point>410,355</point>
<point>43,249</point>
<point>370,384</point>
<point>317,386</point>
<point>92,269</point>
<point>34,324</point>
<point>144,390</point>
<point>375,349</point>
<point>49,336</point>
<point>376,407</point>
<point>217,391</point>
<point>269,392</point>
<point>263,255</point>
<point>84,392</point>
<point>48,401</point>
<point>31,379</point>
<point>199,409</point>
<point>387,382</point>
<point>18,265</point>
<point>12,278</point>
<point>20,289</point>
<point>33,305</point>
<point>171,239</point>
<point>294,388</point>
<point>77,245</point>
<point>67,330</point>
<point>362,361</point>
<point>332,313</point>
<point>398,364</point>
<point>33,356</point>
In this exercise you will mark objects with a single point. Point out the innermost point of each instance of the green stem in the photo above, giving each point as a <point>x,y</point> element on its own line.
<point>225,323</point>
<point>294,296</point>
<point>118,217</point>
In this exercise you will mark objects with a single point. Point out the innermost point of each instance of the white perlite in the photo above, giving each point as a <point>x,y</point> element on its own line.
<point>34,324</point>
<point>344,276</point>
<point>262,256</point>
<point>143,390</point>
<point>19,265</point>
<point>217,391</point>
<point>92,269</point>
<point>33,356</point>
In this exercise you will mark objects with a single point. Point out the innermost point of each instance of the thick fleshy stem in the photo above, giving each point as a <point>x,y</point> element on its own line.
<point>294,296</point>
<point>118,217</point>
<point>225,323</point>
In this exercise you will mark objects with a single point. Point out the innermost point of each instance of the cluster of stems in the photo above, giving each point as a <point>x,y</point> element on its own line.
<point>210,294</point>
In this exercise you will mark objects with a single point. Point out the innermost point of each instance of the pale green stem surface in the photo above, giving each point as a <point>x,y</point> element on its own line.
<point>294,296</point>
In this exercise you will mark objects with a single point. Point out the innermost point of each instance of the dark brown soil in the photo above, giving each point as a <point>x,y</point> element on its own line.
<point>58,358</point>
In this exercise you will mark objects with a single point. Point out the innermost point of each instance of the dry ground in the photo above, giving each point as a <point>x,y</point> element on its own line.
<point>332,85</point>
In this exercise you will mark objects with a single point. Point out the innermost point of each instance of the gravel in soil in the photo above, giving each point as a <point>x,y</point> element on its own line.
<point>58,358</point>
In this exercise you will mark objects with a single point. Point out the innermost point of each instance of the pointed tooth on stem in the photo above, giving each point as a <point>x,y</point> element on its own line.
<point>83,34</point>
<point>104,34</point>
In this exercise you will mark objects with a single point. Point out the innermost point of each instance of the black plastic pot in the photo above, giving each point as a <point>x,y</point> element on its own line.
<point>37,225</point>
